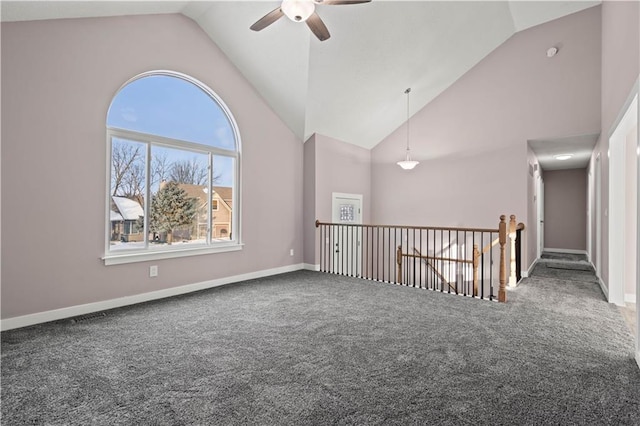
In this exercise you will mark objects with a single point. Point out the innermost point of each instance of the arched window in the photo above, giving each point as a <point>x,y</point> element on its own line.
<point>174,155</point>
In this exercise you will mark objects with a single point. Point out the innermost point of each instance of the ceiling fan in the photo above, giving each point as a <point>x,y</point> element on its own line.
<point>302,11</point>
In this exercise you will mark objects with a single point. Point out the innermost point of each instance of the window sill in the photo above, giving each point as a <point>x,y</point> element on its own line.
<point>118,259</point>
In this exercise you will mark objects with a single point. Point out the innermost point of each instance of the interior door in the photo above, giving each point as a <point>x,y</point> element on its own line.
<point>347,239</point>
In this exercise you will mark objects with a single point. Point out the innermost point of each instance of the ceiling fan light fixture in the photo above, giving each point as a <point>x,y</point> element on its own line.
<point>298,10</point>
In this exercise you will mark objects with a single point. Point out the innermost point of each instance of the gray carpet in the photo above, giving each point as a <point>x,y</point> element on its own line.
<point>565,266</point>
<point>312,348</point>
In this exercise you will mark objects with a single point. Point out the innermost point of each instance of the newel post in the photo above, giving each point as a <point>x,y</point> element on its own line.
<point>512,252</point>
<point>502,234</point>
<point>399,262</point>
<point>476,257</point>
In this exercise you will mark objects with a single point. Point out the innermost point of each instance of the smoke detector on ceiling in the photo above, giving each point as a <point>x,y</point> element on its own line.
<point>552,52</point>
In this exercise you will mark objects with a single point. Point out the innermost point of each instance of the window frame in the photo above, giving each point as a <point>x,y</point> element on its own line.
<point>141,255</point>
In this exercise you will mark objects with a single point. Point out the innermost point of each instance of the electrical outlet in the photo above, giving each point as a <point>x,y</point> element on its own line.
<point>291,252</point>
<point>153,271</point>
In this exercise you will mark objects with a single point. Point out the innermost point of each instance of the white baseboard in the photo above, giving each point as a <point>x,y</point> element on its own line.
<point>72,311</point>
<point>524,274</point>
<point>530,270</point>
<point>311,267</point>
<point>569,251</point>
<point>629,298</point>
<point>604,288</point>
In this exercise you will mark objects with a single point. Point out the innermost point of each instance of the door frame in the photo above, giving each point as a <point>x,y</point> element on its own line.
<point>598,215</point>
<point>540,227</point>
<point>590,222</point>
<point>617,197</point>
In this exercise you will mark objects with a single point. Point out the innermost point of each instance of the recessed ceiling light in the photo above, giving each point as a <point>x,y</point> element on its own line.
<point>563,157</point>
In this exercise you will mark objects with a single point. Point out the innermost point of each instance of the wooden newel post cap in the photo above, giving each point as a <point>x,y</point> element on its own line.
<point>317,223</point>
<point>502,218</point>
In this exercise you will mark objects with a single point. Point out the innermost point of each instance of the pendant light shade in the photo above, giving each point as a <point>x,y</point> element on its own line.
<point>408,163</point>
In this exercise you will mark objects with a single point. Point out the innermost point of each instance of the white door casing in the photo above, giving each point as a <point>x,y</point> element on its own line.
<point>598,216</point>
<point>540,199</point>
<point>617,195</point>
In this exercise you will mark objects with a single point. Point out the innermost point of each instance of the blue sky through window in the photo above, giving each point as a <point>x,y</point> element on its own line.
<point>175,108</point>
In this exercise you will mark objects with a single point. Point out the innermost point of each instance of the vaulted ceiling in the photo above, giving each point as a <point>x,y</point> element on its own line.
<point>350,87</point>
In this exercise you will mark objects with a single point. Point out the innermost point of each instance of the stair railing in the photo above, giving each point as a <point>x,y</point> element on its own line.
<point>442,259</point>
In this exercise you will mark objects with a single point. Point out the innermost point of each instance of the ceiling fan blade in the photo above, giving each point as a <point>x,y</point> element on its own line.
<point>267,19</point>
<point>318,27</point>
<point>337,2</point>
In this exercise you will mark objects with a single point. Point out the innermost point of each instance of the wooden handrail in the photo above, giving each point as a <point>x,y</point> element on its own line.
<point>430,228</point>
<point>433,268</point>
<point>488,246</point>
<point>444,259</point>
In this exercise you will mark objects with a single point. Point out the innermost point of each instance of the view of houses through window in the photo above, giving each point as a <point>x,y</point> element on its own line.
<point>173,166</point>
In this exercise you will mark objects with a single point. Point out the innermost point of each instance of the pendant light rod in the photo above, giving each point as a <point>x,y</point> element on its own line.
<point>407,92</point>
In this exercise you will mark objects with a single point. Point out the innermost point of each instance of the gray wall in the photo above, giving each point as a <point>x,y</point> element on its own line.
<point>332,166</point>
<point>472,139</point>
<point>58,79</point>
<point>565,209</point>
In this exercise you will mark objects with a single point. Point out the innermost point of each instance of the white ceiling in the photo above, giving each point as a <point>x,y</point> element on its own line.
<point>580,147</point>
<point>350,87</point>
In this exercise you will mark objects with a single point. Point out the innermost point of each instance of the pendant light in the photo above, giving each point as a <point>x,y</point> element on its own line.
<point>408,163</point>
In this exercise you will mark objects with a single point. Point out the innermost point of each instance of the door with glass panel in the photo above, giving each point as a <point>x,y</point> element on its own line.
<point>346,240</point>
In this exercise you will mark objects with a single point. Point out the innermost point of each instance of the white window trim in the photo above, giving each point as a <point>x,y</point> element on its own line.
<point>116,258</point>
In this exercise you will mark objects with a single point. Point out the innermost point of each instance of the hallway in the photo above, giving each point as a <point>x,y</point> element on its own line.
<point>576,267</point>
